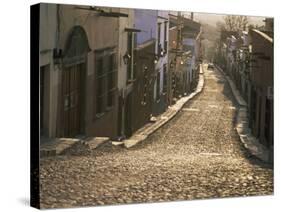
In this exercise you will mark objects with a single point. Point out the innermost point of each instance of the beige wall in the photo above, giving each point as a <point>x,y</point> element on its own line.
<point>47,29</point>
<point>123,39</point>
<point>101,32</point>
<point>47,43</point>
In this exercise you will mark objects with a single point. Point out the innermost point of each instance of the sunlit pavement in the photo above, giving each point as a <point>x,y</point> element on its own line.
<point>196,155</point>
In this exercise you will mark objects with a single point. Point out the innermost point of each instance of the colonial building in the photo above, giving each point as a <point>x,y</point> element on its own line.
<point>126,44</point>
<point>49,74</point>
<point>248,58</point>
<point>224,52</point>
<point>161,63</point>
<point>191,34</point>
<point>144,74</point>
<point>107,71</point>
<point>175,50</point>
<point>78,74</point>
<point>261,76</point>
<point>185,45</point>
<point>242,64</point>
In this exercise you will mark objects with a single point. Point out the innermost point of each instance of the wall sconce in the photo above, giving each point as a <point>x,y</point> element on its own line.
<point>161,52</point>
<point>181,62</point>
<point>126,58</point>
<point>156,59</point>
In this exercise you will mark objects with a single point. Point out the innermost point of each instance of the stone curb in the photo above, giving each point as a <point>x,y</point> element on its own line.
<point>93,143</point>
<point>59,145</point>
<point>242,126</point>
<point>148,129</point>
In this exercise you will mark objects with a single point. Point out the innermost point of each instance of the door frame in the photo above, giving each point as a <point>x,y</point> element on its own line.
<point>81,98</point>
<point>75,54</point>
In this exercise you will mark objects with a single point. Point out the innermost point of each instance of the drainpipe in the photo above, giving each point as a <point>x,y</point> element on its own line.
<point>132,56</point>
<point>58,26</point>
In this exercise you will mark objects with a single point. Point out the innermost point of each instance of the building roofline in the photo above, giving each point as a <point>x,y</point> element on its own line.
<point>161,17</point>
<point>199,34</point>
<point>145,44</point>
<point>263,35</point>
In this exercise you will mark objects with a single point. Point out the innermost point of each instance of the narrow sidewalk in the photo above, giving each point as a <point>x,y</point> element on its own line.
<point>249,141</point>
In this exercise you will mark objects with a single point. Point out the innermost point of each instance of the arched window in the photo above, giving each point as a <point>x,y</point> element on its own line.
<point>77,46</point>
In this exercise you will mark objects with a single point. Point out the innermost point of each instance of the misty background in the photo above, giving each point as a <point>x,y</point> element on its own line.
<point>211,26</point>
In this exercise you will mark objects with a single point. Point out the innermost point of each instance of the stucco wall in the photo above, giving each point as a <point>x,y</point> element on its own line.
<point>123,41</point>
<point>47,42</point>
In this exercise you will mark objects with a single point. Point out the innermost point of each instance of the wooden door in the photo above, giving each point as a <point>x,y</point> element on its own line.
<point>73,100</point>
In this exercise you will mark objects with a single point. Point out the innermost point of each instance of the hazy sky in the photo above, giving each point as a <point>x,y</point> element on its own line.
<point>211,19</point>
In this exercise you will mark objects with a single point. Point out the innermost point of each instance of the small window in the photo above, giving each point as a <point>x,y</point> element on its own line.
<point>165,37</point>
<point>100,84</point>
<point>159,40</point>
<point>99,67</point>
<point>130,47</point>
<point>111,81</point>
<point>105,80</point>
<point>165,79</point>
<point>159,33</point>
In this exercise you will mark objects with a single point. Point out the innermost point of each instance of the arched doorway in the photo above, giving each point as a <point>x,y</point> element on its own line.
<point>73,83</point>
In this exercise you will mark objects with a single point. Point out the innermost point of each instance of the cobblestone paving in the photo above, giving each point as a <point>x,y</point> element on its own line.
<point>196,155</point>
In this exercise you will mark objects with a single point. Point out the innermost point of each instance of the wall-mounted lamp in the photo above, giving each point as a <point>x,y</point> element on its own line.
<point>161,52</point>
<point>156,59</point>
<point>126,58</point>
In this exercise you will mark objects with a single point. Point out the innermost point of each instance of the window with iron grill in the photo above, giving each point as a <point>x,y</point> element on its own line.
<point>165,37</point>
<point>159,40</point>
<point>105,80</point>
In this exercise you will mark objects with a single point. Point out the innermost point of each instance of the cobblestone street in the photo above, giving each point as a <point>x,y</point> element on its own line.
<point>196,155</point>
